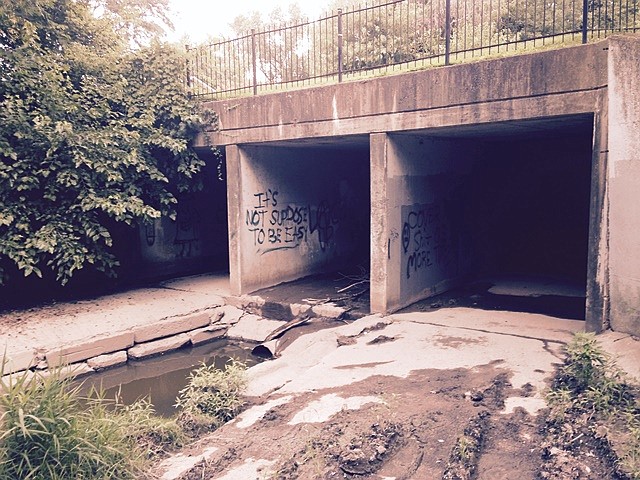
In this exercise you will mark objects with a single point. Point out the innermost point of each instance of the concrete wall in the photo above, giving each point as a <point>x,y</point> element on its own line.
<point>519,87</point>
<point>624,183</point>
<point>296,212</point>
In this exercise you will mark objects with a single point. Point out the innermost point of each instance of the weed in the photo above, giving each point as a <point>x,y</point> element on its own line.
<point>48,433</point>
<point>212,396</point>
<point>592,395</point>
<point>152,434</point>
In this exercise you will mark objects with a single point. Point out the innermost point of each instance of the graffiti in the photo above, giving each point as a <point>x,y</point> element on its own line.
<point>150,233</point>
<point>426,239</point>
<point>187,231</point>
<point>278,226</point>
<point>323,222</point>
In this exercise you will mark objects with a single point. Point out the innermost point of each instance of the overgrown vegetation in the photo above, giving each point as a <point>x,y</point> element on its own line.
<point>49,431</point>
<point>93,132</point>
<point>212,396</point>
<point>593,403</point>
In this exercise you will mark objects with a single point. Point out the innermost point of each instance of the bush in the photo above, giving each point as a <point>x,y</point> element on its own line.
<point>212,396</point>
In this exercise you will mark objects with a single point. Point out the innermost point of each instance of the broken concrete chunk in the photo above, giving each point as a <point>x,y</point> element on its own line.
<point>299,309</point>
<point>170,326</point>
<point>108,360</point>
<point>253,328</point>
<point>20,360</point>
<point>229,315</point>
<point>207,334</point>
<point>158,346</point>
<point>328,310</point>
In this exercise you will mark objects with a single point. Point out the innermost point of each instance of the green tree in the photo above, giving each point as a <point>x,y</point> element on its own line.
<point>279,52</point>
<point>92,134</point>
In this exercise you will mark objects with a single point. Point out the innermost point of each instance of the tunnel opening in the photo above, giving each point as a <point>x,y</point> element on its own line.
<point>514,221</point>
<point>304,211</point>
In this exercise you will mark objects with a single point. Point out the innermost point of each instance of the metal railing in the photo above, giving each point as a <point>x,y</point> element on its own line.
<point>396,35</point>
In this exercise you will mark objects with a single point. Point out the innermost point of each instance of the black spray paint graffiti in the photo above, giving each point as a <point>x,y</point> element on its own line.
<point>426,239</point>
<point>286,225</point>
<point>187,236</point>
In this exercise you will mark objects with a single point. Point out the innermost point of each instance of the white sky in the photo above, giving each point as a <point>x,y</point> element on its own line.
<point>197,19</point>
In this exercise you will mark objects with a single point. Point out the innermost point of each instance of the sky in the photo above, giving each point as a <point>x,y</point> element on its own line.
<point>198,19</point>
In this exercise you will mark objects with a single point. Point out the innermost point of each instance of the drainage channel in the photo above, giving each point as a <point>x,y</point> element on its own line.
<point>160,378</point>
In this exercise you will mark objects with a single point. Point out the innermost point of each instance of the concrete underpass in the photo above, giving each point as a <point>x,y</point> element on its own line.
<point>504,168</point>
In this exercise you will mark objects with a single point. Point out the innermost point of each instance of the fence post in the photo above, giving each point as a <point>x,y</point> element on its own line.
<point>585,19</point>
<point>254,62</point>
<point>447,31</point>
<point>188,72</point>
<point>339,45</point>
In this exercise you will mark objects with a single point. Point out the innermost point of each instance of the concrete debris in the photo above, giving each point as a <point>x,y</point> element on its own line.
<point>108,360</point>
<point>157,347</point>
<point>89,348</point>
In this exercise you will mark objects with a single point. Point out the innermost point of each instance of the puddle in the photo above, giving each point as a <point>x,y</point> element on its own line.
<point>161,378</point>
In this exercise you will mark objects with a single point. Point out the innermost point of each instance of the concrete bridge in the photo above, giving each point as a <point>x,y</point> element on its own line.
<point>523,165</point>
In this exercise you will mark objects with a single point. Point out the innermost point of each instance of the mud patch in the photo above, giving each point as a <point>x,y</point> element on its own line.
<point>416,433</point>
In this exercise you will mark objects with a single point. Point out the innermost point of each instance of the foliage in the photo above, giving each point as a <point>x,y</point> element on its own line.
<point>137,20</point>
<point>526,20</point>
<point>277,55</point>
<point>213,396</point>
<point>590,391</point>
<point>589,378</point>
<point>152,434</point>
<point>92,133</point>
<point>47,434</point>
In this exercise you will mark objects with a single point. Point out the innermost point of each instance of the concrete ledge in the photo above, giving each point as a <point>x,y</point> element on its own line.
<point>16,361</point>
<point>109,360</point>
<point>158,346</point>
<point>171,326</point>
<point>90,348</point>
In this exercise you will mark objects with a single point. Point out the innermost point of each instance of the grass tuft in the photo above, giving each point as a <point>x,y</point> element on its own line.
<point>212,396</point>
<point>591,393</point>
<point>48,433</point>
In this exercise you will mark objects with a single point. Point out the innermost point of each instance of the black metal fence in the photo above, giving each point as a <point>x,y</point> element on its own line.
<point>397,35</point>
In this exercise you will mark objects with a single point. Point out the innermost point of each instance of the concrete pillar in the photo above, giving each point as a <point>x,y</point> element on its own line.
<point>380,237</point>
<point>234,208</point>
<point>417,198</point>
<point>597,291</point>
<point>624,183</point>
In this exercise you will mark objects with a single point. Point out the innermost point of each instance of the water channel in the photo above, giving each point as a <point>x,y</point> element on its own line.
<point>160,378</point>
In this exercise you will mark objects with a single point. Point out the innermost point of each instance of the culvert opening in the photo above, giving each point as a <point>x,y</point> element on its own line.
<point>305,210</point>
<point>517,219</point>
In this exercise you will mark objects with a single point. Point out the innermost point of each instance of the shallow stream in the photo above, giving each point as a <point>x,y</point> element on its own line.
<point>161,378</point>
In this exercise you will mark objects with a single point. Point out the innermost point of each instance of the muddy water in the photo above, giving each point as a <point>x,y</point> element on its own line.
<point>161,378</point>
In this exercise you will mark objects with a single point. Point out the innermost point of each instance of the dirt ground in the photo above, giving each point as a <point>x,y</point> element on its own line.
<point>444,425</point>
<point>433,424</point>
